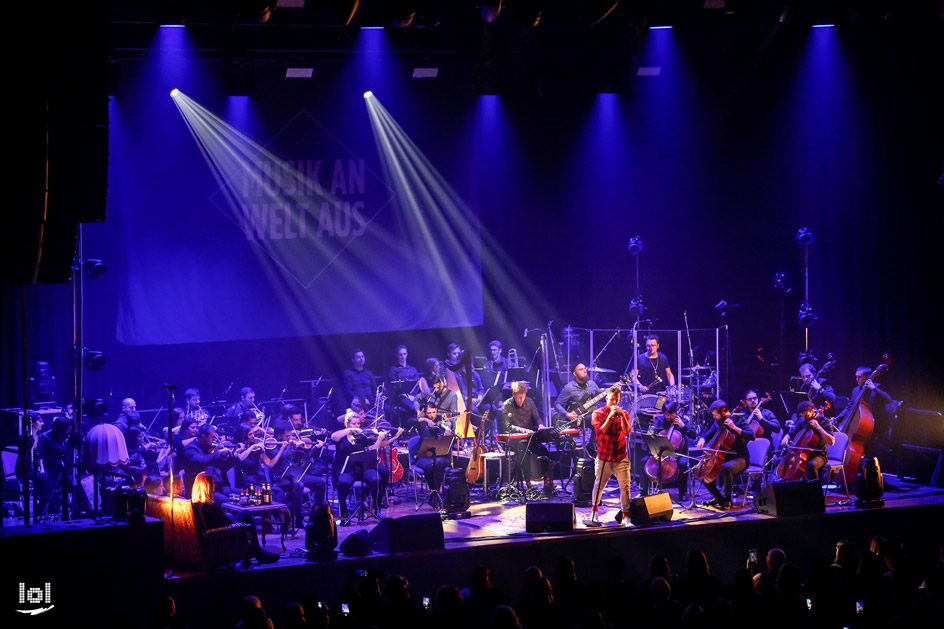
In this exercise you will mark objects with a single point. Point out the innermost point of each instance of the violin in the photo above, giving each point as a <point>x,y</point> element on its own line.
<point>793,465</point>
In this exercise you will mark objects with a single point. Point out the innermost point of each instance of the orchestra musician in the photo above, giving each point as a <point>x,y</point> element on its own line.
<point>818,390</point>
<point>574,392</point>
<point>402,405</point>
<point>194,410</point>
<point>349,440</point>
<point>612,426</point>
<point>358,380</point>
<point>251,456</point>
<point>124,419</point>
<point>735,461</point>
<point>880,443</point>
<point>247,422</point>
<point>441,397</point>
<point>653,364</point>
<point>431,370</point>
<point>292,482</point>
<point>764,416</point>
<point>805,417</point>
<point>204,455</point>
<point>520,414</point>
<point>183,437</point>
<point>662,422</point>
<point>496,362</point>
<point>54,448</point>
<point>427,426</point>
<point>247,402</point>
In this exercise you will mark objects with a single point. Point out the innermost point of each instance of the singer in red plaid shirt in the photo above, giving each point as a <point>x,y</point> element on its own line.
<point>612,425</point>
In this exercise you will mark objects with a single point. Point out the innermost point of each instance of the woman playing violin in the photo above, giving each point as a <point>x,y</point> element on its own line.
<point>251,455</point>
<point>349,440</point>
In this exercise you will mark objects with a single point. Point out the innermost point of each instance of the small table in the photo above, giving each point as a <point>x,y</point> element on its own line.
<point>265,512</point>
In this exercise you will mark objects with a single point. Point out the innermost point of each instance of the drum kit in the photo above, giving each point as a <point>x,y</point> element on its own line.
<point>698,383</point>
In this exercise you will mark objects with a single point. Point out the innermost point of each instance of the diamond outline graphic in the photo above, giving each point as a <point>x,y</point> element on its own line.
<point>226,211</point>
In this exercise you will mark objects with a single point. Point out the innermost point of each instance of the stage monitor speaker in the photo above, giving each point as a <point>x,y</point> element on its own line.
<point>550,517</point>
<point>648,509</point>
<point>791,498</point>
<point>322,530</point>
<point>409,533</point>
<point>455,491</point>
<point>358,543</point>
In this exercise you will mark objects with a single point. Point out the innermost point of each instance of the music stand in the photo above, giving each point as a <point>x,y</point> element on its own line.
<point>401,388</point>
<point>661,448</point>
<point>360,462</point>
<point>434,447</point>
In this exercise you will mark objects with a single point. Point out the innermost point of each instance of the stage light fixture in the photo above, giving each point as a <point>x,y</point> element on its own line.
<point>583,482</point>
<point>805,316</point>
<point>636,307</point>
<point>299,73</point>
<point>94,407</point>
<point>425,73</point>
<point>781,282</point>
<point>94,360</point>
<point>870,486</point>
<point>490,10</point>
<point>94,269</point>
<point>174,92</point>
<point>804,237</point>
<point>368,94</point>
<point>635,245</point>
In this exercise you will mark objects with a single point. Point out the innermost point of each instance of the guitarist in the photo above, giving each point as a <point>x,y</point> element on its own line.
<point>575,392</point>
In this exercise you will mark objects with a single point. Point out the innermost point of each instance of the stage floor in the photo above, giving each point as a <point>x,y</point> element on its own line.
<point>492,522</point>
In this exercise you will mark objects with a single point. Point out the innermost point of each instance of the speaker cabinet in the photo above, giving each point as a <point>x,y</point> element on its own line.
<point>791,498</point>
<point>357,544</point>
<point>648,509</point>
<point>410,533</point>
<point>550,517</point>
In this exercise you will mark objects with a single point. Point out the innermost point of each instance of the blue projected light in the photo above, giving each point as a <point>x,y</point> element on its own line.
<point>824,26</point>
<point>173,26</point>
<point>660,28</point>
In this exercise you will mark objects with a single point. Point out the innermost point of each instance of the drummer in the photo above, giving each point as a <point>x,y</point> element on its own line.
<point>652,364</point>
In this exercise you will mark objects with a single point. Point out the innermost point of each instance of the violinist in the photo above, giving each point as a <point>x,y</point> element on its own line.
<point>736,460</point>
<point>428,426</point>
<point>431,371</point>
<point>817,389</point>
<point>194,410</point>
<point>352,439</point>
<point>153,451</point>
<point>185,436</point>
<point>292,471</point>
<point>321,457</point>
<point>247,402</point>
<point>204,454</point>
<point>248,421</point>
<point>660,423</point>
<point>805,418</point>
<point>251,456</point>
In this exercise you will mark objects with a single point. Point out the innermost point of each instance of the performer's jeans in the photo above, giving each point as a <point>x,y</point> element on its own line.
<point>605,469</point>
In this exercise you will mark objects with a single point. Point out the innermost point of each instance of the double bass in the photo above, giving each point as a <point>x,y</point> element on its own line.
<point>793,464</point>
<point>857,421</point>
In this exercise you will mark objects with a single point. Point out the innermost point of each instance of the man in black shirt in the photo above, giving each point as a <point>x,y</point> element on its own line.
<point>818,390</point>
<point>822,438</point>
<point>654,370</point>
<point>203,456</point>
<point>880,443</point>
<point>496,362</point>
<point>359,381</point>
<point>520,414</point>
<point>429,426</point>
<point>735,462</point>
<point>401,378</point>
<point>295,465</point>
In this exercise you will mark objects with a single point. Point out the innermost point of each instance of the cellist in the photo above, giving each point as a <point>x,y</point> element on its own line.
<point>736,460</point>
<point>823,437</point>
<point>661,423</point>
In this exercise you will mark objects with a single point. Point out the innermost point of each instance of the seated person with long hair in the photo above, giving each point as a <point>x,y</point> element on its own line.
<point>201,496</point>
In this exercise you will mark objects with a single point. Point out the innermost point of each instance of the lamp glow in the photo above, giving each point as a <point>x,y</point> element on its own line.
<point>174,92</point>
<point>368,94</point>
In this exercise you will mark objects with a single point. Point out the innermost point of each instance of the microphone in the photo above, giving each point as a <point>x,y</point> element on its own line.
<point>170,387</point>
<point>228,387</point>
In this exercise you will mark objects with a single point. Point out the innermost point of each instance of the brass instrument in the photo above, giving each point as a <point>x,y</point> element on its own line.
<point>512,358</point>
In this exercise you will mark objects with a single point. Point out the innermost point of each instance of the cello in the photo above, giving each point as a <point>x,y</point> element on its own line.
<point>473,473</point>
<point>669,464</point>
<point>709,467</point>
<point>793,464</point>
<point>857,422</point>
<point>752,420</point>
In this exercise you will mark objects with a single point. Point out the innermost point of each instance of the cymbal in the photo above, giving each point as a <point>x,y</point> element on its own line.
<point>601,369</point>
<point>697,369</point>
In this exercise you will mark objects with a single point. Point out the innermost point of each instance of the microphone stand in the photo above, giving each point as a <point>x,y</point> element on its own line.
<point>170,436</point>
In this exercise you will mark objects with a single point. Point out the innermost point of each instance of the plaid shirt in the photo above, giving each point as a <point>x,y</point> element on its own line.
<point>611,445</point>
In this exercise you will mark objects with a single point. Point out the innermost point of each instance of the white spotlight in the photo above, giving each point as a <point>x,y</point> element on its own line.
<point>368,94</point>
<point>174,92</point>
